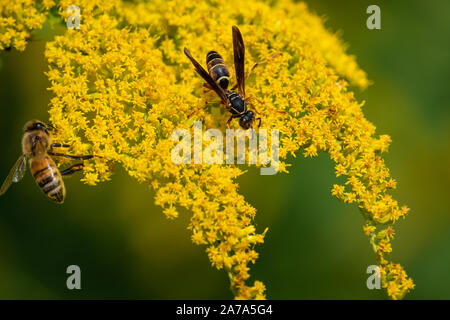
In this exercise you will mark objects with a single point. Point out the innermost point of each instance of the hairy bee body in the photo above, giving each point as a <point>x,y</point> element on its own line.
<point>217,69</point>
<point>35,141</point>
<point>48,178</point>
<point>37,147</point>
<point>35,144</point>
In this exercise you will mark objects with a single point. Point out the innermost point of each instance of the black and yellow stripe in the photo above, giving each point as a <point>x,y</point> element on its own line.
<point>48,178</point>
<point>217,69</point>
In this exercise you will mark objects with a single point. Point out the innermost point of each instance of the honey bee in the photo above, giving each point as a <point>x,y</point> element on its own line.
<point>37,147</point>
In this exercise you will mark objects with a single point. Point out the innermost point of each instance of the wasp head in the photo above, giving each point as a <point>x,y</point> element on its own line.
<point>246,120</point>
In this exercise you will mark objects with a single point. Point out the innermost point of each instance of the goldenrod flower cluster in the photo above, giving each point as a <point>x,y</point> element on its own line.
<point>19,18</point>
<point>122,85</point>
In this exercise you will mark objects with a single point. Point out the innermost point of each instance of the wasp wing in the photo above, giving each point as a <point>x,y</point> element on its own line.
<point>15,174</point>
<point>239,59</point>
<point>205,75</point>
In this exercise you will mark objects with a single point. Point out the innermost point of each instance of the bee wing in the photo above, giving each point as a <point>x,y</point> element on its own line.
<point>205,75</point>
<point>15,174</point>
<point>239,59</point>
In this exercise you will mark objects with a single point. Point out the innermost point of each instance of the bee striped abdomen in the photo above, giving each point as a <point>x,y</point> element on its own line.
<point>217,69</point>
<point>48,178</point>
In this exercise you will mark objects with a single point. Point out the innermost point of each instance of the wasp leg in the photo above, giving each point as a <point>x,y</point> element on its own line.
<point>254,66</point>
<point>207,103</point>
<point>259,124</point>
<point>70,157</point>
<point>207,86</point>
<point>231,118</point>
<point>59,145</point>
<point>269,108</point>
<point>229,121</point>
<point>212,102</point>
<point>254,108</point>
<point>72,169</point>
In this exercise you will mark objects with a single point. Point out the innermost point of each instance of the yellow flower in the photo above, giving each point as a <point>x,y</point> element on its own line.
<point>122,84</point>
<point>18,19</point>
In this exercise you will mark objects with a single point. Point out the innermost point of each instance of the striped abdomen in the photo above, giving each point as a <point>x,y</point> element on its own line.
<point>48,178</point>
<point>217,69</point>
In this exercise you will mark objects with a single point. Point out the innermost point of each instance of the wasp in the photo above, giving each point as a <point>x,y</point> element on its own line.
<point>37,147</point>
<point>218,80</point>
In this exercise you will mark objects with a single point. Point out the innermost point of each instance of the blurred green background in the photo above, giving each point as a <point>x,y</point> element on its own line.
<point>315,247</point>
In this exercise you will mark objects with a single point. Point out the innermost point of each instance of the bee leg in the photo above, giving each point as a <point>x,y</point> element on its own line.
<point>70,157</point>
<point>254,66</point>
<point>59,145</point>
<point>50,127</point>
<point>259,124</point>
<point>72,169</point>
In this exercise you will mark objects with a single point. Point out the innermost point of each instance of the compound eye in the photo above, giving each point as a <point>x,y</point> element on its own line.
<point>36,126</point>
<point>41,126</point>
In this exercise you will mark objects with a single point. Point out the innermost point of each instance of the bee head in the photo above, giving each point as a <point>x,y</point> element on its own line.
<point>34,125</point>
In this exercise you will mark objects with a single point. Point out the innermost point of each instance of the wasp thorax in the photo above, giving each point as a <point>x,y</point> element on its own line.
<point>236,102</point>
